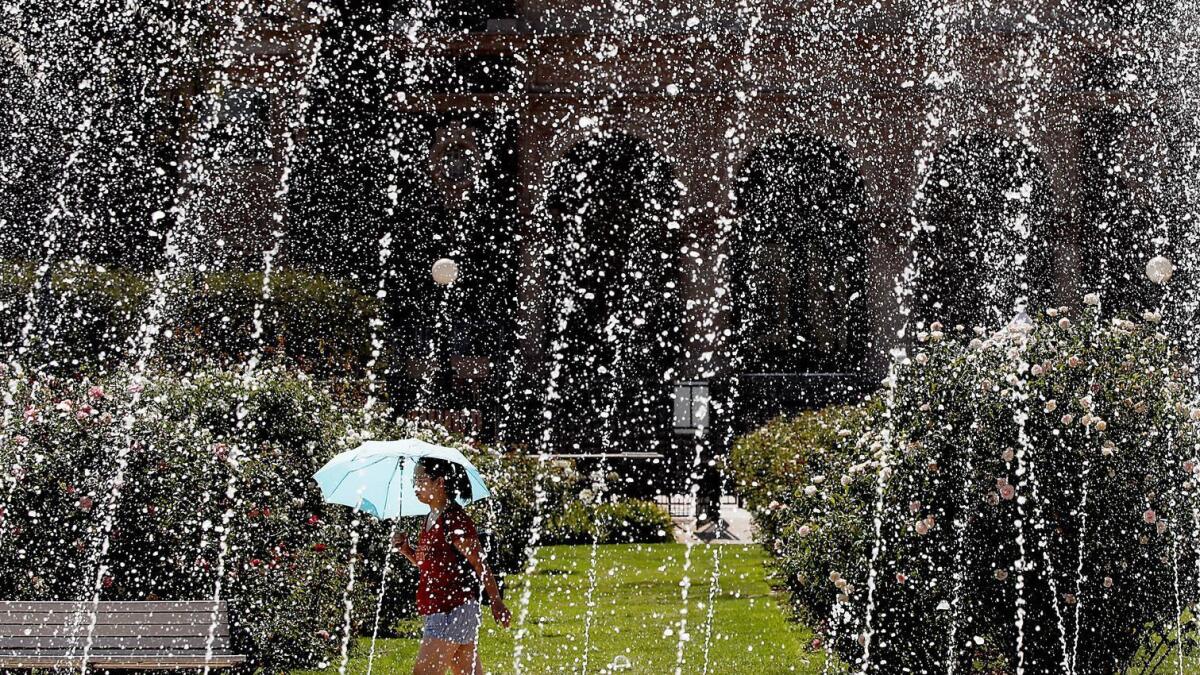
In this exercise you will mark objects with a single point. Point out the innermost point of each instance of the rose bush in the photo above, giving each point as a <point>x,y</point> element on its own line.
<point>1022,498</point>
<point>205,477</point>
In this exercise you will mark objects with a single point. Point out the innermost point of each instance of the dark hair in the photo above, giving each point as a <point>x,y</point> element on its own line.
<point>458,486</point>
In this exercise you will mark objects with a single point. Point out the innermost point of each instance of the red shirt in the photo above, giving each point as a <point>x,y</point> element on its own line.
<point>447,580</point>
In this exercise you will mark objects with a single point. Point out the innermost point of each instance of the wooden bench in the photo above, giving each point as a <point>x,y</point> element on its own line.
<point>127,635</point>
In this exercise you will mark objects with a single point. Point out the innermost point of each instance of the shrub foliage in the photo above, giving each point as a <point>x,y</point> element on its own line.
<point>1025,498</point>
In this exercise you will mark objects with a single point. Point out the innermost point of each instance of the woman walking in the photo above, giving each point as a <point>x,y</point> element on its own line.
<point>451,565</point>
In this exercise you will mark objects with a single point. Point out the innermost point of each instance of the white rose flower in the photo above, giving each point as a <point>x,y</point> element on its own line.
<point>1092,299</point>
<point>1051,405</point>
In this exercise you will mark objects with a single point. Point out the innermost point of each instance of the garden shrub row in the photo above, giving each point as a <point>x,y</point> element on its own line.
<point>628,521</point>
<point>1020,497</point>
<point>88,315</point>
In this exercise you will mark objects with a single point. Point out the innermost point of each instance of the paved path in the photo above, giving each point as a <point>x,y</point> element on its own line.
<point>736,528</point>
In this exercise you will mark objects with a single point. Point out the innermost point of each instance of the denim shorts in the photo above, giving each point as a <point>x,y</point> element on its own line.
<point>460,625</point>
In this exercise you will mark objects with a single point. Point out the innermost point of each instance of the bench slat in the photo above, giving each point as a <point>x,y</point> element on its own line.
<point>109,618</point>
<point>118,661</point>
<point>109,643</point>
<point>108,630</point>
<point>126,635</point>
<point>110,606</point>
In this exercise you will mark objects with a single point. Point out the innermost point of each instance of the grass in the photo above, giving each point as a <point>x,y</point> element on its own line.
<point>637,609</point>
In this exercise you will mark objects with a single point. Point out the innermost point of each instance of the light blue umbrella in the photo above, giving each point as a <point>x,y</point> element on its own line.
<point>377,477</point>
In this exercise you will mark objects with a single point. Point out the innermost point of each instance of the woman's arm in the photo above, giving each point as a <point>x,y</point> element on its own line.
<point>400,543</point>
<point>468,545</point>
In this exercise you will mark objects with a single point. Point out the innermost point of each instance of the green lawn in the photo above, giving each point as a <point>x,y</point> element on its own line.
<point>638,607</point>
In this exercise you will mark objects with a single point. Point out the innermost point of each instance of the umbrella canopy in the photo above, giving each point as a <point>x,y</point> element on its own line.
<point>377,477</point>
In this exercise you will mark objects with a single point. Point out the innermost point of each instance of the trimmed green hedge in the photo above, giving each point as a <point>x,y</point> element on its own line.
<point>87,315</point>
<point>629,521</point>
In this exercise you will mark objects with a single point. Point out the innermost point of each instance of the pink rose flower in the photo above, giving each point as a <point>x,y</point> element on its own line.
<point>64,405</point>
<point>86,503</point>
<point>1150,516</point>
<point>96,392</point>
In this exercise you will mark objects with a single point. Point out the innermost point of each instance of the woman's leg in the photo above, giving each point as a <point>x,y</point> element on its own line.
<point>466,661</point>
<point>435,657</point>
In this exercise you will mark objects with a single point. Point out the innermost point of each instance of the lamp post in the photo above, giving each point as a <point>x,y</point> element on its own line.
<point>444,273</point>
